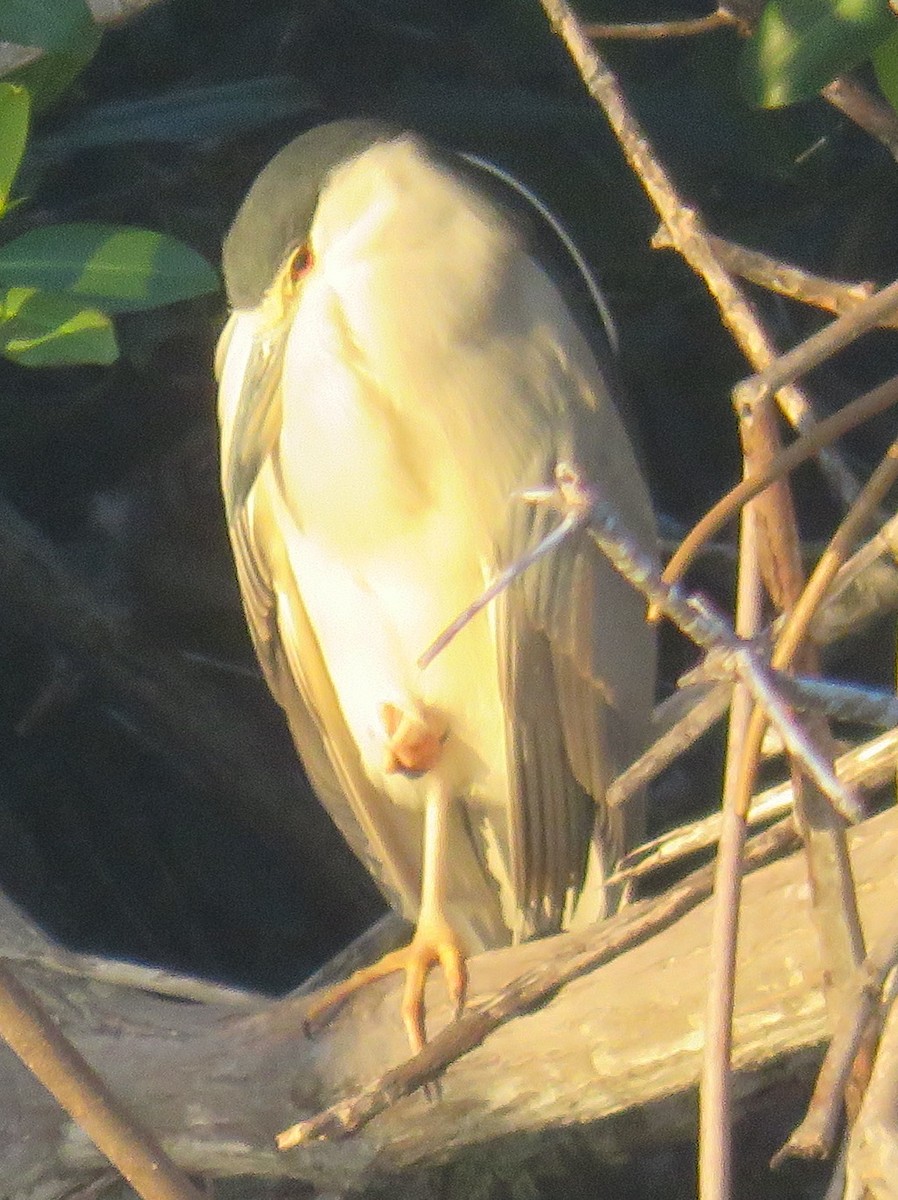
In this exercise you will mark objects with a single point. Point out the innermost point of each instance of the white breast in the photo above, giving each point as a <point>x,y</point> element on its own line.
<point>392,536</point>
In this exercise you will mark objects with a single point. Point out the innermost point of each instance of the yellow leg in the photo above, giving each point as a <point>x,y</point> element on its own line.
<point>435,941</point>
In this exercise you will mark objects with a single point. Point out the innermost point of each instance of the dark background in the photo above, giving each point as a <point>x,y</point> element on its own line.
<point>115,833</point>
<point>111,840</point>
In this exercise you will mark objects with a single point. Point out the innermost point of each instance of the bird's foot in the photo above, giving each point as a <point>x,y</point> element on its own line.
<point>414,739</point>
<point>435,941</point>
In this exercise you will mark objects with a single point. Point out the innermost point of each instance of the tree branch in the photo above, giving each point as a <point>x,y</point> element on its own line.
<point>623,1039</point>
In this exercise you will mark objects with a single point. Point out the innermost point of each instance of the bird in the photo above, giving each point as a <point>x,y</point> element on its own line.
<point>398,371</point>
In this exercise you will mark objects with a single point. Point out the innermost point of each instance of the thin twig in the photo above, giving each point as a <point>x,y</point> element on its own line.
<point>570,524</point>
<point>884,541</point>
<point>835,1189</point>
<point>818,347</point>
<point>866,588</point>
<point>834,898</point>
<point>697,720</point>
<point>686,228</point>
<point>839,701</point>
<point>783,572</point>
<point>796,625</point>
<point>793,633</point>
<point>700,622</point>
<point>803,448</point>
<point>816,1134</point>
<point>846,702</point>
<point>656,30</point>
<point>850,702</point>
<point>869,112</point>
<point>786,279</point>
<point>870,765</point>
<point>837,552</point>
<point>871,1165</point>
<point>835,903</point>
<point>706,696</point>
<point>715,1099</point>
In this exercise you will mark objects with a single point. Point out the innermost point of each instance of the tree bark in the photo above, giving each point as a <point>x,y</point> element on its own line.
<point>613,1057</point>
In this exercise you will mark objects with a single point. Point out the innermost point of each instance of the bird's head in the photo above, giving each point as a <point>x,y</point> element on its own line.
<point>269,237</point>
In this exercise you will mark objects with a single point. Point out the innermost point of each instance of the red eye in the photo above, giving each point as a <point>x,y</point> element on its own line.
<point>301,262</point>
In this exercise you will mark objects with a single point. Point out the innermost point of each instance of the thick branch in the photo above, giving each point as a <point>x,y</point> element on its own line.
<point>215,1088</point>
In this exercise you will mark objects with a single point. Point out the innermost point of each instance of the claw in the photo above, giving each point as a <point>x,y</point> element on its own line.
<point>433,943</point>
<point>455,972</point>
<point>413,1002</point>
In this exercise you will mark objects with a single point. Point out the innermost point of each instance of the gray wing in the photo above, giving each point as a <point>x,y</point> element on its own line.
<point>577,661</point>
<point>386,841</point>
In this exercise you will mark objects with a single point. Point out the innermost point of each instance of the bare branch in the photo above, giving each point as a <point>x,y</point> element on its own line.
<point>834,698</point>
<point>786,279</point>
<point>705,697</point>
<point>835,903</point>
<point>715,1090</point>
<point>870,765</point>
<point>522,995</point>
<point>696,618</point>
<point>686,228</point>
<point>865,588</point>
<point>885,541</point>
<point>799,619</point>
<point>805,447</point>
<point>609,1064</point>
<point>818,347</point>
<point>61,1069</point>
<point>872,1159</point>
<point>656,30</point>
<point>869,112</point>
<point>700,715</point>
<point>814,1137</point>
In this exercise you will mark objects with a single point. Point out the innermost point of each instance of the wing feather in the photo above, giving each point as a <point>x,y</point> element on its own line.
<point>258,521</point>
<point>577,656</point>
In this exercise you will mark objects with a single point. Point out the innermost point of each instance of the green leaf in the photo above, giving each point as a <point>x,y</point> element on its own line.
<point>15,106</point>
<point>121,269</point>
<point>45,329</point>
<point>801,45</point>
<point>51,24</point>
<point>66,33</point>
<point>885,64</point>
<point>51,76</point>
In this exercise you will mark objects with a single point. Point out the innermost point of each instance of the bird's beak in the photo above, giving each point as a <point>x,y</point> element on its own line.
<point>257,415</point>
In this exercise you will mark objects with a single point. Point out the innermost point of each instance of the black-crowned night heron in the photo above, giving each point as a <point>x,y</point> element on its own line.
<point>396,370</point>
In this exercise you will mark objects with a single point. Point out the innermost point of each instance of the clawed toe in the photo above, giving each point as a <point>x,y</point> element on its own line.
<point>425,953</point>
<point>426,950</point>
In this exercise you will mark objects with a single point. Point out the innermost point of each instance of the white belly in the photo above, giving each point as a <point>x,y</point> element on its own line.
<point>384,567</point>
